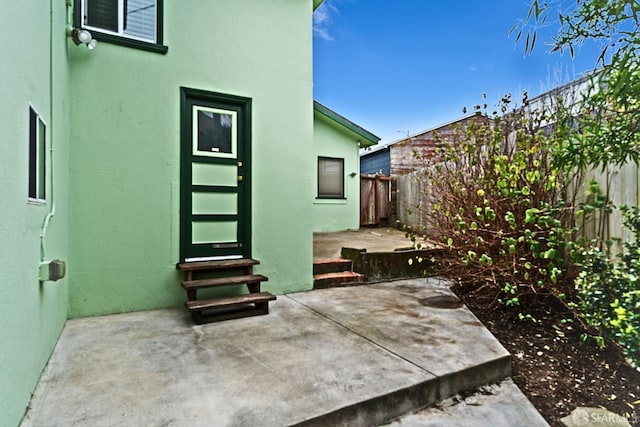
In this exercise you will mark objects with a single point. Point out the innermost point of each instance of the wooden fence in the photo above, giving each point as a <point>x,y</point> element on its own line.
<point>375,200</point>
<point>413,198</point>
<point>621,185</point>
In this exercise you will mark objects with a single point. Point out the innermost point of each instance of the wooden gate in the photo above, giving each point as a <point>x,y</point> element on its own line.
<point>375,200</point>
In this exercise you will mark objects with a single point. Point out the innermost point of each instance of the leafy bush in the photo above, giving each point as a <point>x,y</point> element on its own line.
<point>609,291</point>
<point>610,135</point>
<point>502,193</point>
<point>611,129</point>
<point>500,208</point>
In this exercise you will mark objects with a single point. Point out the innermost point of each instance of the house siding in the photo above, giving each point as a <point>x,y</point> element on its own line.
<point>408,155</point>
<point>125,156</point>
<point>33,313</point>
<point>377,162</point>
<point>113,115</point>
<point>333,140</point>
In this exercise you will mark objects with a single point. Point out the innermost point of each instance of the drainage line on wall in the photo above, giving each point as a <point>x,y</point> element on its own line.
<point>52,205</point>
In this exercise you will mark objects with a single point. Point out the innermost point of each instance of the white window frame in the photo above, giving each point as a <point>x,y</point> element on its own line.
<point>234,132</point>
<point>321,195</point>
<point>120,32</point>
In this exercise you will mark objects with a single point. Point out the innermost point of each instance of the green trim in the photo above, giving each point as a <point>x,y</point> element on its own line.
<point>127,42</point>
<point>218,160</point>
<point>242,106</point>
<point>185,175</point>
<point>317,3</point>
<point>157,47</point>
<point>212,217</point>
<point>370,139</point>
<point>212,189</point>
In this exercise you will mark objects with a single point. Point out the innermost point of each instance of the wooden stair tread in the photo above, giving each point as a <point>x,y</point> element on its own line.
<point>217,264</point>
<point>337,279</point>
<point>222,302</point>
<point>237,271</point>
<point>331,261</point>
<point>331,265</point>
<point>223,281</point>
<point>338,275</point>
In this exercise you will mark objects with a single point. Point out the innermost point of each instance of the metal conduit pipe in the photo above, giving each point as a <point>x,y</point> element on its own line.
<point>53,270</point>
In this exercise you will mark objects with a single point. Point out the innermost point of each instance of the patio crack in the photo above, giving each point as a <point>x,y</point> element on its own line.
<point>370,340</point>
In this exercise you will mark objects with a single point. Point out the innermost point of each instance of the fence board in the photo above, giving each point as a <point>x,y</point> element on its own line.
<point>621,184</point>
<point>375,199</point>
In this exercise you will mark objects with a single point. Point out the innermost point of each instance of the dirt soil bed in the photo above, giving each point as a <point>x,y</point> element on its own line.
<point>558,371</point>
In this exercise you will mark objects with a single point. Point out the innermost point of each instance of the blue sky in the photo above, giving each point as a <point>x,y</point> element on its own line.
<point>398,66</point>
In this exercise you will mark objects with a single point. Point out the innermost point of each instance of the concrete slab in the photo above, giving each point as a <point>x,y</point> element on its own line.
<point>317,359</point>
<point>155,368</point>
<point>452,344</point>
<point>387,239</point>
<point>497,405</point>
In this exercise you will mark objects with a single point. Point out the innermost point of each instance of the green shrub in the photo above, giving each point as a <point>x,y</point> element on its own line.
<point>609,291</point>
<point>503,202</point>
<point>498,204</point>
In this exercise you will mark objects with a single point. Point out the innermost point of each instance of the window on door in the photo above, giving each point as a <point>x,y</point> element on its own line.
<point>330,178</point>
<point>37,156</point>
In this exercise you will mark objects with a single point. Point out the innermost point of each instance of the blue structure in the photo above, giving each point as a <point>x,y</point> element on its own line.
<point>376,160</point>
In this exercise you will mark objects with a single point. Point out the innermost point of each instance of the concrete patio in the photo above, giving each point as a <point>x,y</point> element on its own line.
<point>381,239</point>
<point>356,356</point>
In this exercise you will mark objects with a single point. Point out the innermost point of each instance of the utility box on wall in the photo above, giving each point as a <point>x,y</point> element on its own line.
<point>51,271</point>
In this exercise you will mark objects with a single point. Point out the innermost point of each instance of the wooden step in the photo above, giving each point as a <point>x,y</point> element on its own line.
<point>234,307</point>
<point>209,274</point>
<point>331,265</point>
<point>221,302</point>
<point>340,279</point>
<point>226,264</point>
<point>223,281</point>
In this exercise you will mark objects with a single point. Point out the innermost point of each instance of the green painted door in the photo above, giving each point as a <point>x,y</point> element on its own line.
<point>215,181</point>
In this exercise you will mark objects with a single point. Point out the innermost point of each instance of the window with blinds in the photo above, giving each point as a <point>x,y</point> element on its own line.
<point>136,19</point>
<point>330,178</point>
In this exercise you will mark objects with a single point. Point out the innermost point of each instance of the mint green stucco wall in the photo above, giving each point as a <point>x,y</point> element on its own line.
<point>32,314</point>
<point>124,158</point>
<point>334,140</point>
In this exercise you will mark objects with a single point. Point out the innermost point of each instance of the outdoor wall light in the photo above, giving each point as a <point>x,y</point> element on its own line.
<point>80,36</point>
